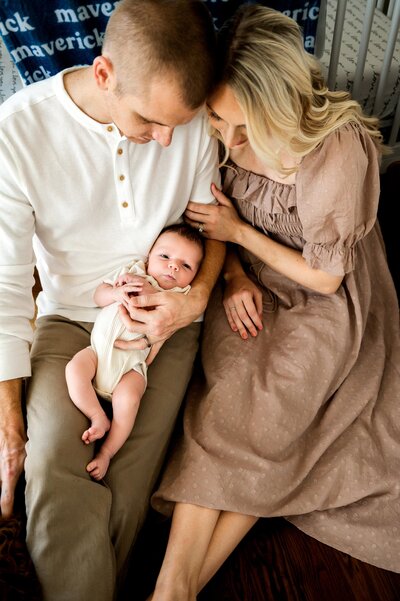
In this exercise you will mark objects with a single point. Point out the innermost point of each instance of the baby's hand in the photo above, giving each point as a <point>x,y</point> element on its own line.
<point>144,288</point>
<point>127,278</point>
<point>122,293</point>
<point>148,288</point>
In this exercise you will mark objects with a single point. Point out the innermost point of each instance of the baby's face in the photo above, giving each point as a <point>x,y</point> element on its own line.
<point>174,260</point>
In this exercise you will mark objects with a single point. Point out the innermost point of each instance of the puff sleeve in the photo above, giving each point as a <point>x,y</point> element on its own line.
<point>337,192</point>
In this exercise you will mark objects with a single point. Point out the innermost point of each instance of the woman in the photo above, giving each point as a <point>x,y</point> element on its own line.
<point>297,414</point>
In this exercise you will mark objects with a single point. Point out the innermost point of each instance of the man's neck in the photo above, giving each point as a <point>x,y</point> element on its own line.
<point>83,91</point>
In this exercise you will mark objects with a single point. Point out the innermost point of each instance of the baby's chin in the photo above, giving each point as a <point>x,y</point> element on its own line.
<point>166,282</point>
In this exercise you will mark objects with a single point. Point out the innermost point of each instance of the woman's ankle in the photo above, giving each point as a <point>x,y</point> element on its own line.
<point>174,589</point>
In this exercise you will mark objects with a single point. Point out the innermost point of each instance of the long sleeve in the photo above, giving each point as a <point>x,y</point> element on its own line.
<point>16,269</point>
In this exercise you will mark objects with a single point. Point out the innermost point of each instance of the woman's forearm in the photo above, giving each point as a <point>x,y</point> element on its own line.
<point>286,261</point>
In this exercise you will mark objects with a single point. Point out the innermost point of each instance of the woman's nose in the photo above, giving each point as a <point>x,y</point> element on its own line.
<point>231,137</point>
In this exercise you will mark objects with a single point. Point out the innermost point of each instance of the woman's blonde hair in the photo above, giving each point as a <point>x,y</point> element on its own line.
<point>279,86</point>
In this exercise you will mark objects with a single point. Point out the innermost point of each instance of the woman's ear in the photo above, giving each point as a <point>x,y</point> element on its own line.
<point>104,74</point>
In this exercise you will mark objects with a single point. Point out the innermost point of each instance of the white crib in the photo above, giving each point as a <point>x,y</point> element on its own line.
<point>362,55</point>
<point>359,50</point>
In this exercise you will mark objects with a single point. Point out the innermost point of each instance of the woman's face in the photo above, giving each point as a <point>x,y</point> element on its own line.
<point>227,117</point>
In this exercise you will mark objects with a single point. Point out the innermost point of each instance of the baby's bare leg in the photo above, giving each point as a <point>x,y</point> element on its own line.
<point>125,401</point>
<point>79,373</point>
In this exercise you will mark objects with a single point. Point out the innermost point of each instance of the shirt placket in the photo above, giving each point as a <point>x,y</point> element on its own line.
<point>123,188</point>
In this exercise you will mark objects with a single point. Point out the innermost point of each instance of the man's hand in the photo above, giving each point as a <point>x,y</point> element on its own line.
<point>12,443</point>
<point>153,352</point>
<point>170,311</point>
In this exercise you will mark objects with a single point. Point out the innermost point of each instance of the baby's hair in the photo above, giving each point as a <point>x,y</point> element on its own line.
<point>186,231</point>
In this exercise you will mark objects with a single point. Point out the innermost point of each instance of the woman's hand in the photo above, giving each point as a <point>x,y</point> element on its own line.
<point>218,222</point>
<point>243,305</point>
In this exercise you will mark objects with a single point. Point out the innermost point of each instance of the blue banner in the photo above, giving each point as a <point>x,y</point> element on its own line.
<point>305,12</point>
<point>45,37</point>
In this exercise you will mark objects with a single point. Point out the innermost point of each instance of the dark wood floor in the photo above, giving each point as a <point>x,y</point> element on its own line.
<point>275,562</point>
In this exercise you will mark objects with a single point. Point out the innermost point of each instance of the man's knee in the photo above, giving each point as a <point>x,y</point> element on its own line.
<point>48,456</point>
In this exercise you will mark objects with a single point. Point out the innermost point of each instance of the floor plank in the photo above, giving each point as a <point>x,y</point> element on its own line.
<point>275,562</point>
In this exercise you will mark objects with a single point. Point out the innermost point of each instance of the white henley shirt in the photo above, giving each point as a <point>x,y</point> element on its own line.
<point>80,200</point>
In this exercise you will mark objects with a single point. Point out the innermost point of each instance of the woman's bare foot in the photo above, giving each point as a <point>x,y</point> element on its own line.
<point>99,466</point>
<point>100,425</point>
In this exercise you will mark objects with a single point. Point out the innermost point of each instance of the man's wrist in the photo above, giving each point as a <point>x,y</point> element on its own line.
<point>199,295</point>
<point>231,274</point>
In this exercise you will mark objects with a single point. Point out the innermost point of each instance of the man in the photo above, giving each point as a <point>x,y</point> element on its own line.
<point>94,162</point>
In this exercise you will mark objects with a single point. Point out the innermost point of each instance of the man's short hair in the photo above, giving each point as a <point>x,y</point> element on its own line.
<point>149,38</point>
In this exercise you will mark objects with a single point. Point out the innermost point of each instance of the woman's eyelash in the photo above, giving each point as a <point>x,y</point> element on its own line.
<point>213,115</point>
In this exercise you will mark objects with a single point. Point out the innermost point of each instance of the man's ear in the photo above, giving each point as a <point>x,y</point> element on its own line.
<point>104,73</point>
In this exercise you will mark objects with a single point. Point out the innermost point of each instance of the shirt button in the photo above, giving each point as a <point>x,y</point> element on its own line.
<point>121,178</point>
<point>124,204</point>
<point>110,128</point>
<point>120,151</point>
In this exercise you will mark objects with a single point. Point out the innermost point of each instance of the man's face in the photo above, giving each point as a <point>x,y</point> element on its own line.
<point>174,260</point>
<point>152,115</point>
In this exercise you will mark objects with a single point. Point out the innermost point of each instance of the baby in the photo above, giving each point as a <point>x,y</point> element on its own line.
<point>119,375</point>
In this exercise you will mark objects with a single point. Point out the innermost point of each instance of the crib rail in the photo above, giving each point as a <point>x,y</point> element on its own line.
<point>392,10</point>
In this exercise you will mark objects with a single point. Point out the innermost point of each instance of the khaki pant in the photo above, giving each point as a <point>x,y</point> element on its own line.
<point>79,531</point>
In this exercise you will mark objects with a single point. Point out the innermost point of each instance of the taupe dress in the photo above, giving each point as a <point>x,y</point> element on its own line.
<point>303,421</point>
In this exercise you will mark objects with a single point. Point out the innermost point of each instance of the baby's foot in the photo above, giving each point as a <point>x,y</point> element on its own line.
<point>98,467</point>
<point>100,425</point>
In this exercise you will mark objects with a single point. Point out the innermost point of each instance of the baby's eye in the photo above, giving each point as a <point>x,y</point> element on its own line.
<point>186,266</point>
<point>164,256</point>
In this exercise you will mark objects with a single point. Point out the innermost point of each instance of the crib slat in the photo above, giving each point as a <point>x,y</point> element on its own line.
<point>394,132</point>
<point>336,42</point>
<point>362,53</point>
<point>394,28</point>
<point>391,8</point>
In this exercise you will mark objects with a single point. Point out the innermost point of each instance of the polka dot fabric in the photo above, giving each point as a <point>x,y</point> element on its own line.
<point>303,421</point>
